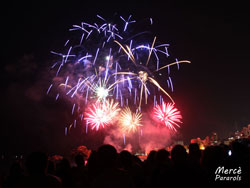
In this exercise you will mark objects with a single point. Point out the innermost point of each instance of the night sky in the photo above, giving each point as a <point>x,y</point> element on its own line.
<point>212,93</point>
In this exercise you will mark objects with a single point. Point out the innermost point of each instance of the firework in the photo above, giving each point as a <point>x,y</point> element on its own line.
<point>95,66</point>
<point>168,115</point>
<point>143,76</point>
<point>106,65</point>
<point>102,92</point>
<point>102,114</point>
<point>130,121</point>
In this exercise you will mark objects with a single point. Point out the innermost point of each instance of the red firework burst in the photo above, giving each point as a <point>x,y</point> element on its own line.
<point>102,113</point>
<point>168,114</point>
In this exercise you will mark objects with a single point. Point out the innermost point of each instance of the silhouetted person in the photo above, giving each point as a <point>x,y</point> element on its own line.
<point>137,160</point>
<point>194,155</point>
<point>149,164</point>
<point>109,175</point>
<point>129,164</point>
<point>239,152</point>
<point>179,155</point>
<point>180,169</point>
<point>151,157</point>
<point>194,164</point>
<point>162,160</point>
<point>211,160</point>
<point>149,167</point>
<point>162,157</point>
<point>126,159</point>
<point>36,165</point>
<point>162,168</point>
<point>51,167</point>
<point>79,173</point>
<point>79,160</point>
<point>241,158</point>
<point>92,166</point>
<point>107,157</point>
<point>64,172</point>
<point>15,176</point>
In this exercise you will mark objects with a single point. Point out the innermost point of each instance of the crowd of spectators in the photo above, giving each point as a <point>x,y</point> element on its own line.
<point>108,168</point>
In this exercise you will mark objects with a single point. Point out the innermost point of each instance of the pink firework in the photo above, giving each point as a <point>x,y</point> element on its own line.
<point>102,113</point>
<point>168,114</point>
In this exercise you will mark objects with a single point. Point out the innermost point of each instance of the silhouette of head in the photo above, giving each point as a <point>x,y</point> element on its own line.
<point>15,169</point>
<point>162,156</point>
<point>151,156</point>
<point>178,154</point>
<point>79,160</point>
<point>126,158</point>
<point>36,163</point>
<point>107,156</point>
<point>194,150</point>
<point>51,167</point>
<point>239,149</point>
<point>92,160</point>
<point>213,157</point>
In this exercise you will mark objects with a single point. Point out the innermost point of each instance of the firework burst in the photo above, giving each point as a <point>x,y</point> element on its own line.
<point>168,115</point>
<point>113,66</point>
<point>102,113</point>
<point>143,76</point>
<point>130,121</point>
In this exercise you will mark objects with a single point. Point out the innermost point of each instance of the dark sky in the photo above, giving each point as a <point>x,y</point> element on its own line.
<point>212,93</point>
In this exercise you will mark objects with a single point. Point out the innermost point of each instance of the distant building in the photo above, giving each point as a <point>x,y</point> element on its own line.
<point>214,138</point>
<point>237,135</point>
<point>206,141</point>
<point>202,143</point>
<point>245,132</point>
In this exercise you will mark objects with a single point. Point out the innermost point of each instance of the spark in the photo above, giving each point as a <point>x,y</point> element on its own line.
<point>151,21</point>
<point>87,126</point>
<point>73,109</point>
<point>66,43</point>
<point>84,57</point>
<point>65,131</point>
<point>128,52</point>
<point>174,63</point>
<point>57,96</point>
<point>124,139</point>
<point>143,76</point>
<point>75,123</point>
<point>97,51</point>
<point>127,22</point>
<point>150,51</point>
<point>49,88</point>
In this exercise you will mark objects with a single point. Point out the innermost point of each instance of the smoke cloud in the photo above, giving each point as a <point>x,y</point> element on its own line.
<point>151,136</point>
